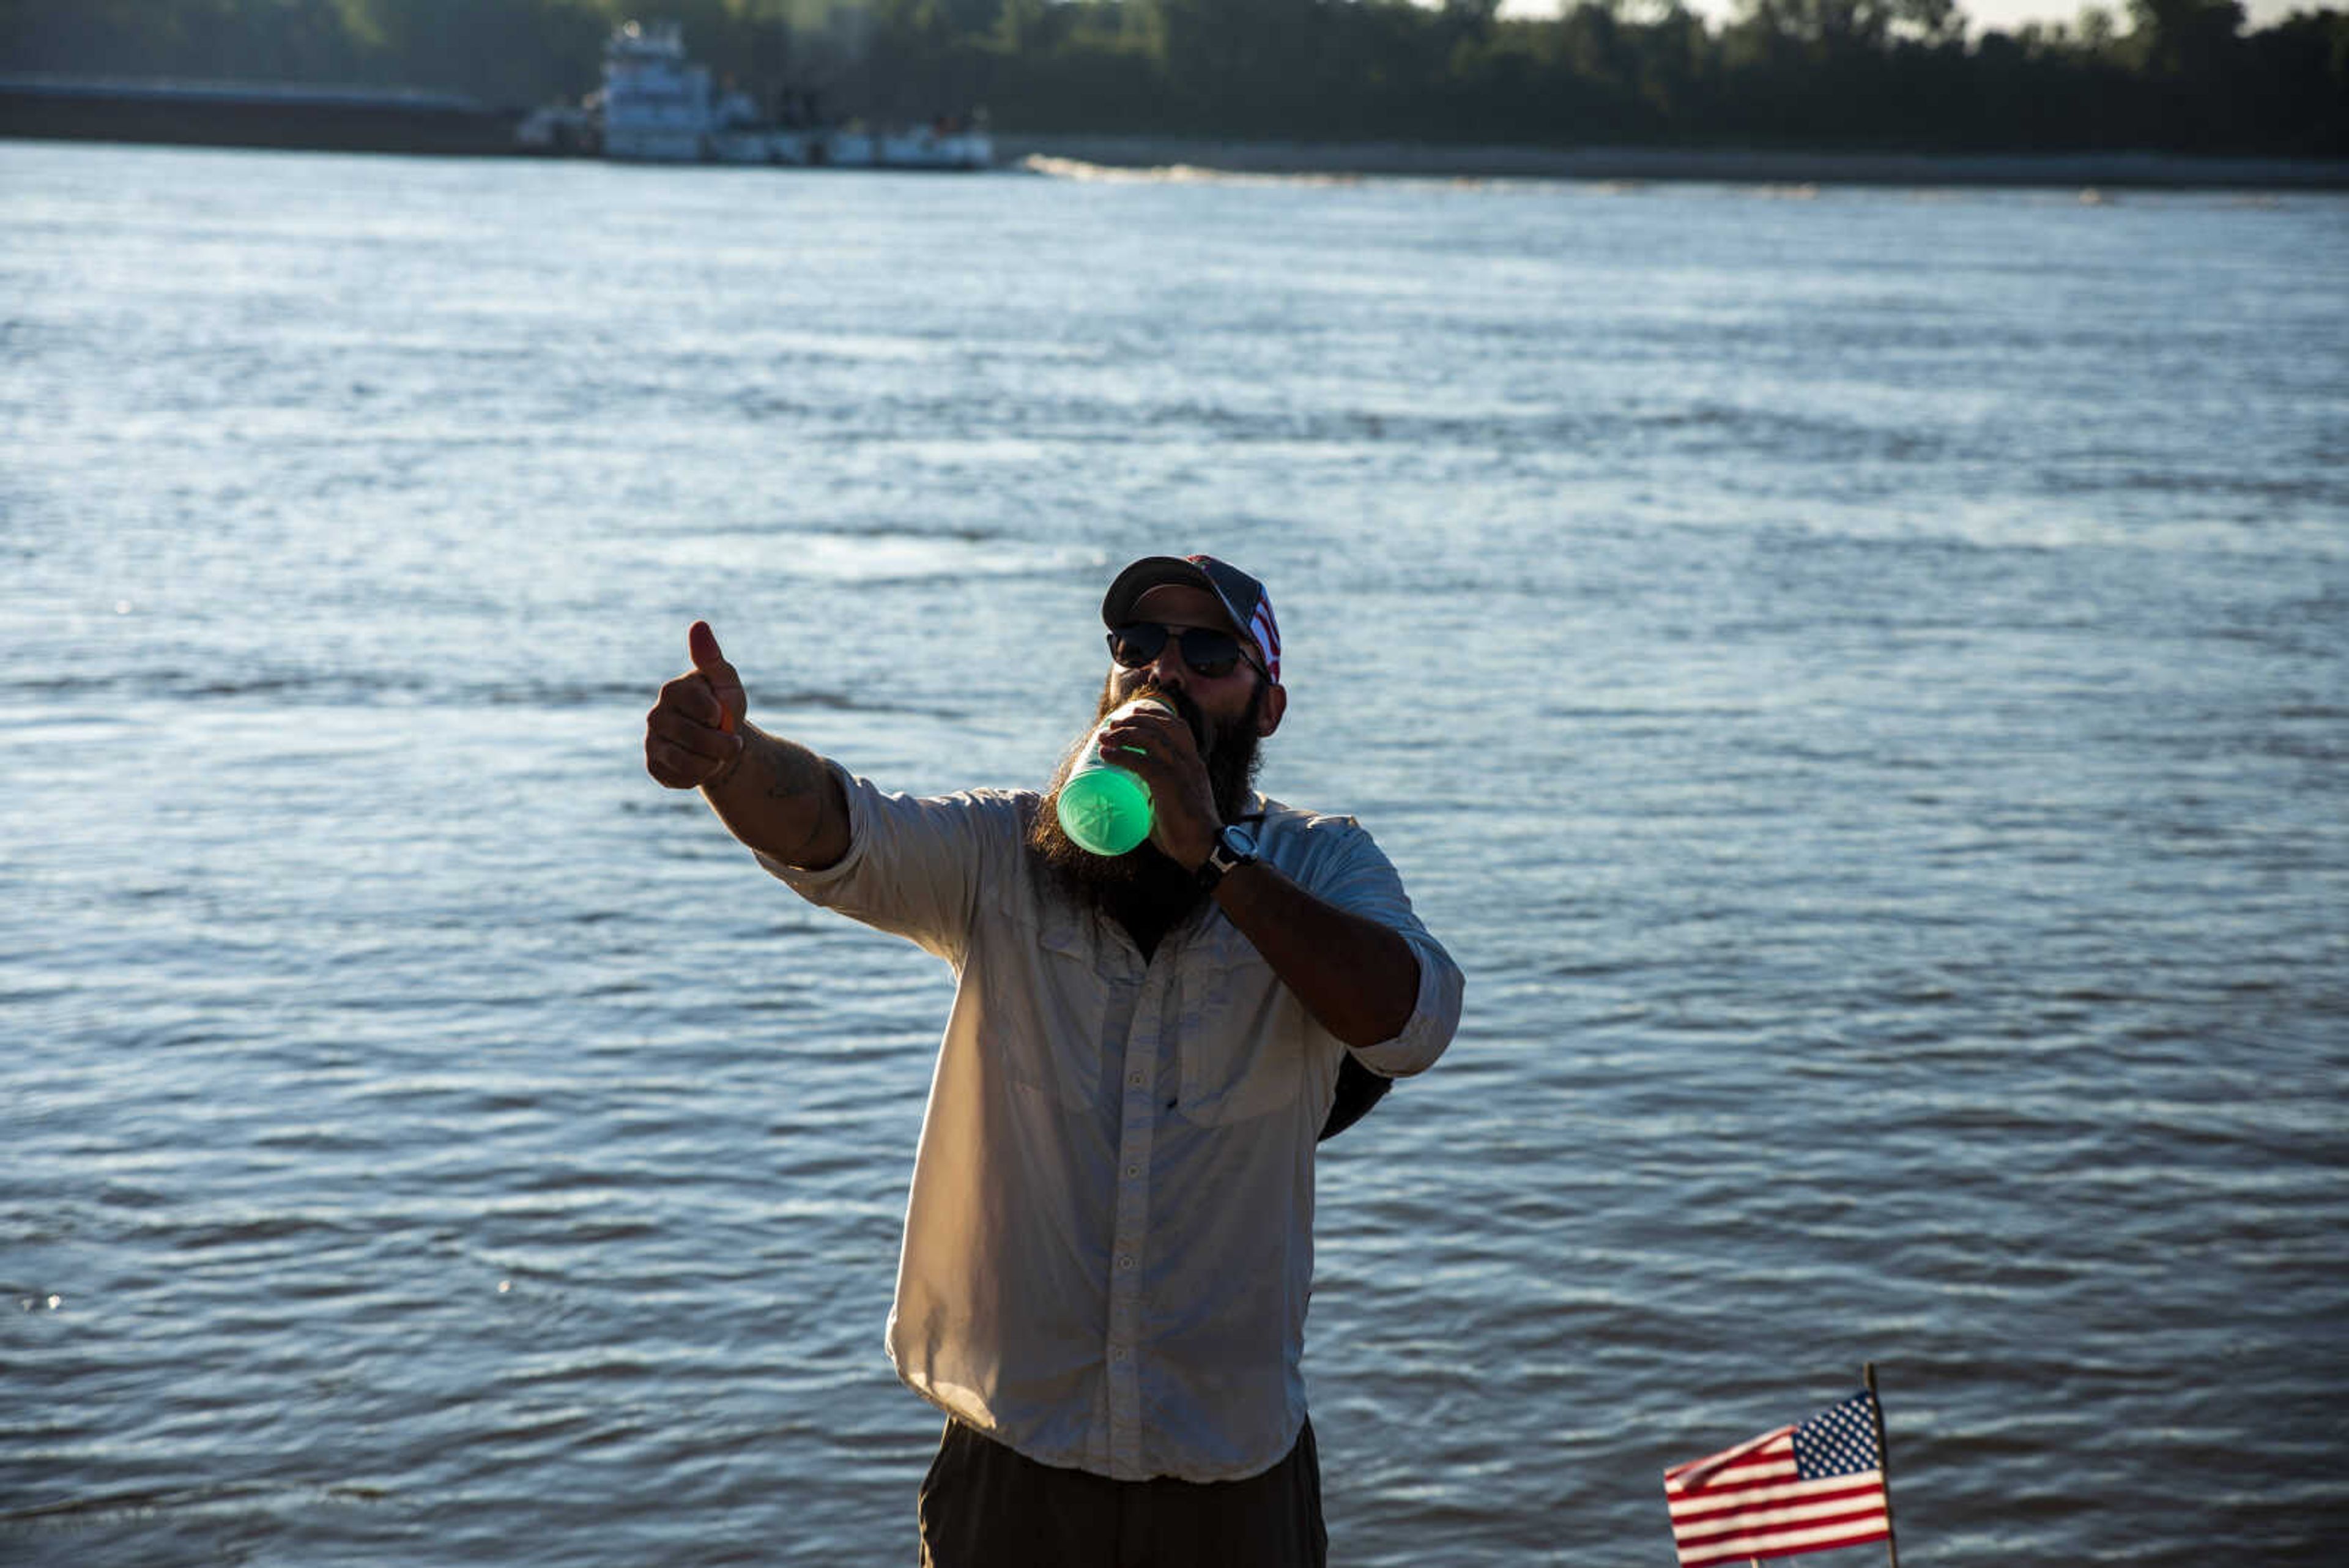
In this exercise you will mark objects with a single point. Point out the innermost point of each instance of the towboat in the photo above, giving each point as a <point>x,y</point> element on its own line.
<point>658,106</point>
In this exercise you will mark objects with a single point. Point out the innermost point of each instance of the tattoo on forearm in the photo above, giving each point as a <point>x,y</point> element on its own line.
<point>782,785</point>
<point>793,773</point>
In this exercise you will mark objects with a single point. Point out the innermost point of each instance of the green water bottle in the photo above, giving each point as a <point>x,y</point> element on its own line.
<point>1105,808</point>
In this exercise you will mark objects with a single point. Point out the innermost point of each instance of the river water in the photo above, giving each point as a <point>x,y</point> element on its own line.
<point>1856,678</point>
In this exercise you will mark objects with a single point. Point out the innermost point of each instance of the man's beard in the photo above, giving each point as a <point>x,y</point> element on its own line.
<point>1142,889</point>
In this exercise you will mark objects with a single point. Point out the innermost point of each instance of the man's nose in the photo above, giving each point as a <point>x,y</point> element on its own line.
<point>1167,669</point>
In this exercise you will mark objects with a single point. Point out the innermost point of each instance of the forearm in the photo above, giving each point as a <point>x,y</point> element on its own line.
<point>1360,979</point>
<point>782,800</point>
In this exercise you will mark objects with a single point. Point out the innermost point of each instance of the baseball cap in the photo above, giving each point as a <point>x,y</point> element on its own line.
<point>1243,599</point>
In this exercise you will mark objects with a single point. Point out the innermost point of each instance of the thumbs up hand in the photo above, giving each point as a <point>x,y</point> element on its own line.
<point>693,734</point>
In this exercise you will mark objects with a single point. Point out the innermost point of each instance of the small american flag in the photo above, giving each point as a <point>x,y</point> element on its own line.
<point>1799,1488</point>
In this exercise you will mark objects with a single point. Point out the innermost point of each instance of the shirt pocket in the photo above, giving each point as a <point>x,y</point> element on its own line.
<point>1044,1035</point>
<point>1242,1035</point>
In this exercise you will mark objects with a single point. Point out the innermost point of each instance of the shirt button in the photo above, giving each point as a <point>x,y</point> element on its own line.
<point>1136,1080</point>
<point>1118,1354</point>
<point>1125,1263</point>
<point>1133,1170</point>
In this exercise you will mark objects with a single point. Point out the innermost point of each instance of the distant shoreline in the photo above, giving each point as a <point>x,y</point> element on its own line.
<point>297,117</point>
<point>2069,171</point>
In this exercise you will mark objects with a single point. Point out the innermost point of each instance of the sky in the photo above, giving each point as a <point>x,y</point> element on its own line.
<point>1986,15</point>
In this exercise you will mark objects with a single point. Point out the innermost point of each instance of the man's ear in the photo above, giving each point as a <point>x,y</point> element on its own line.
<point>1276,703</point>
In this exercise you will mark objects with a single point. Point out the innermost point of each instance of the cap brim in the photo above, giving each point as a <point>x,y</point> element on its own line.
<point>1157,572</point>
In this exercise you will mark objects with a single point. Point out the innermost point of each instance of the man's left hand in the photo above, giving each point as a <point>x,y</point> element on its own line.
<point>1182,817</point>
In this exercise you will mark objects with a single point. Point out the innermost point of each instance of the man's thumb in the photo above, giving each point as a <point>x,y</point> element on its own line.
<point>727,686</point>
<point>702,643</point>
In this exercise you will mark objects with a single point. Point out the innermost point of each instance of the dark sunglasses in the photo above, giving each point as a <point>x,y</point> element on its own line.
<point>1205,650</point>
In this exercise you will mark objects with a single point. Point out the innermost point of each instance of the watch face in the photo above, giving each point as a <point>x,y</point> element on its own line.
<point>1237,840</point>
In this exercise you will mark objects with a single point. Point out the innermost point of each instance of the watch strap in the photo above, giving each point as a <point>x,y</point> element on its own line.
<point>1231,850</point>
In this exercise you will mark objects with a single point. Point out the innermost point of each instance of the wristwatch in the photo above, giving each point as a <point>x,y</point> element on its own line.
<point>1234,847</point>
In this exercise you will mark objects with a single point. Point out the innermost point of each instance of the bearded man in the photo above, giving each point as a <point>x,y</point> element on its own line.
<point>1109,1243</point>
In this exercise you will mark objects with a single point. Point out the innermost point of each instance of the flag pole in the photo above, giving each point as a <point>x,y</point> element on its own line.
<point>1883,1460</point>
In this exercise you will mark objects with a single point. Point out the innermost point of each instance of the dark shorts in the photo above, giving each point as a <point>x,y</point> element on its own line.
<point>985,1506</point>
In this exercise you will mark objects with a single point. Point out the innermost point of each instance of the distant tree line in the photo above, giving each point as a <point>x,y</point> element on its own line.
<point>2180,76</point>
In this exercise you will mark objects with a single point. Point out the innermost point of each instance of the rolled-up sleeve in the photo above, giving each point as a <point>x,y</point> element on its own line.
<point>1354,875</point>
<point>914,864</point>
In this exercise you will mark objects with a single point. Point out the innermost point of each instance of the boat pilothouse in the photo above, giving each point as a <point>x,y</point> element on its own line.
<point>657,107</point>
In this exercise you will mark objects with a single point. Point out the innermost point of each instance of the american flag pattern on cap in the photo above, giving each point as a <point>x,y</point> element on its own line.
<point>1237,589</point>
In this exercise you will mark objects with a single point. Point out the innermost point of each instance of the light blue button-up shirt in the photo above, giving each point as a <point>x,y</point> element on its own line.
<point>1109,1243</point>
